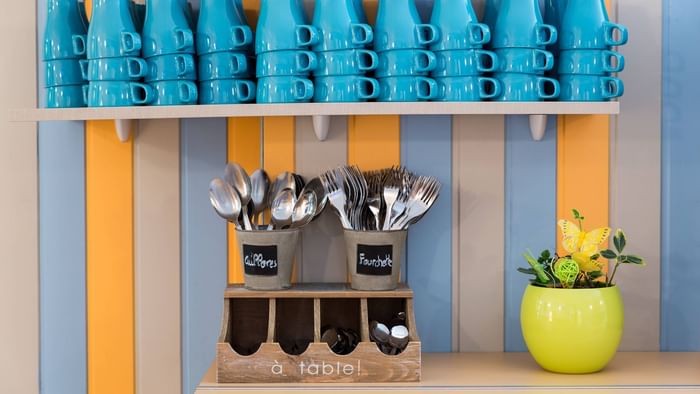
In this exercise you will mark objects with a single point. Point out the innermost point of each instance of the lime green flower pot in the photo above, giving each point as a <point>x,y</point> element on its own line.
<point>572,331</point>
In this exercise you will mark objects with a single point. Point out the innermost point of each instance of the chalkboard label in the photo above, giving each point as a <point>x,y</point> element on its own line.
<point>260,260</point>
<point>375,260</point>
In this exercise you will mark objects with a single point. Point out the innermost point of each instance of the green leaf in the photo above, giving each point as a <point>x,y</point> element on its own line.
<point>636,260</point>
<point>541,276</point>
<point>576,214</point>
<point>528,271</point>
<point>595,274</point>
<point>595,256</point>
<point>619,240</point>
<point>608,254</point>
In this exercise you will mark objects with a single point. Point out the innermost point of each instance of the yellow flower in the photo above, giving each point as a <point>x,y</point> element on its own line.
<point>585,263</point>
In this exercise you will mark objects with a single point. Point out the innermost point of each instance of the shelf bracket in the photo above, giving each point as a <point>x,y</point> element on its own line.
<point>125,128</point>
<point>322,124</point>
<point>538,125</point>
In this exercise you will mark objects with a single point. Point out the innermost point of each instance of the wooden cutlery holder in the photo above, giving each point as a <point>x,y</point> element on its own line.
<point>275,337</point>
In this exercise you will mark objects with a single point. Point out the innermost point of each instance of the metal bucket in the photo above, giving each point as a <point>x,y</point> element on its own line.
<point>267,258</point>
<point>374,258</point>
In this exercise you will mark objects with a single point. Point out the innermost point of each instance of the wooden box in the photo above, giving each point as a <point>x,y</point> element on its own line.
<point>256,322</point>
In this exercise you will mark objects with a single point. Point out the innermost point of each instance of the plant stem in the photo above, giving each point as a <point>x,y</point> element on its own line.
<point>617,264</point>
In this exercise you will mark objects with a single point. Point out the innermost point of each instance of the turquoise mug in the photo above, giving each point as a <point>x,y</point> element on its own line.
<point>520,25</point>
<point>553,15</point>
<point>526,87</point>
<point>407,89</point>
<point>111,33</point>
<point>471,88</point>
<point>63,21</point>
<point>123,44</point>
<point>224,65</point>
<point>464,62</point>
<point>221,27</point>
<point>590,88</point>
<point>590,62</point>
<point>286,89</point>
<point>347,62</point>
<point>459,26</point>
<point>585,25</point>
<point>360,11</point>
<point>117,94</point>
<point>491,15</point>
<point>524,60</point>
<point>282,26</point>
<point>166,29</point>
<point>138,14</point>
<point>67,96</point>
<point>226,91</point>
<point>405,62</point>
<point>345,88</point>
<point>399,26</point>
<point>285,63</point>
<point>114,69</point>
<point>339,26</point>
<point>63,72</point>
<point>171,67</point>
<point>174,93</point>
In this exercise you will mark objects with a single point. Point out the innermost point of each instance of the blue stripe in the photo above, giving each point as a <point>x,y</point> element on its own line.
<point>204,246</point>
<point>63,359</point>
<point>680,238</point>
<point>531,208</point>
<point>426,148</point>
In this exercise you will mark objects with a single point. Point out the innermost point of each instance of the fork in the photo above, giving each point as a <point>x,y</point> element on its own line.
<point>391,193</point>
<point>337,198</point>
<point>421,200</point>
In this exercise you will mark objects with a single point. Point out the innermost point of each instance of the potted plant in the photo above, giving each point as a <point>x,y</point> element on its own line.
<point>572,313</point>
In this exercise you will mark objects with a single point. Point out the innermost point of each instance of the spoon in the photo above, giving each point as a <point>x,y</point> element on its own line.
<point>236,176</point>
<point>283,181</point>
<point>260,184</point>
<point>304,209</point>
<point>282,209</point>
<point>225,200</point>
<point>316,186</point>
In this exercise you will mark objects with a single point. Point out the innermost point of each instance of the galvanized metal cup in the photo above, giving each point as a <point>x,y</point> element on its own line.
<point>374,258</point>
<point>268,258</point>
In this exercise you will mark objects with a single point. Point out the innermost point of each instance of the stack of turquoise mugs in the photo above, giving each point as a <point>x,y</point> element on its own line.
<point>585,56</point>
<point>64,81</point>
<point>284,59</point>
<point>114,64</point>
<point>224,52</point>
<point>342,58</point>
<point>460,59</point>
<point>401,41</point>
<point>168,48</point>
<point>519,39</point>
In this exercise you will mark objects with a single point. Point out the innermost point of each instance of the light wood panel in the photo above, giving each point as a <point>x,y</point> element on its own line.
<point>157,256</point>
<point>478,175</point>
<point>19,294</point>
<point>635,178</point>
<point>322,243</point>
<point>110,264</point>
<point>318,290</point>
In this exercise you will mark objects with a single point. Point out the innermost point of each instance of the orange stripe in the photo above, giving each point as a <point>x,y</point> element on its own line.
<point>110,264</point>
<point>244,149</point>
<point>374,142</point>
<point>251,9</point>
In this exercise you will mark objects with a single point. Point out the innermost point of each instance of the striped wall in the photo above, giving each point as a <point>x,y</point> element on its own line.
<point>117,262</point>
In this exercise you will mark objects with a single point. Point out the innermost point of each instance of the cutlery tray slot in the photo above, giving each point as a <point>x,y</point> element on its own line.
<point>294,324</point>
<point>248,321</point>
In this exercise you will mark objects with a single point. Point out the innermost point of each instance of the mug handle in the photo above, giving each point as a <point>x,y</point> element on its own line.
<point>184,39</point>
<point>373,88</point>
<point>302,31</point>
<point>303,86</point>
<point>430,61</point>
<point>427,34</point>
<point>541,84</point>
<point>136,97</point>
<point>84,63</point>
<point>241,35</point>
<point>607,61</point>
<point>137,67</point>
<point>185,65</point>
<point>239,63</point>
<point>480,55</point>
<point>79,44</point>
<point>610,32</point>
<point>543,31</point>
<point>483,88</point>
<point>306,61</point>
<point>130,42</point>
<point>246,86</point>
<point>612,87</point>
<point>479,33</point>
<point>188,92</point>
<point>361,33</point>
<point>366,54</point>
<point>432,88</point>
<point>86,90</point>
<point>547,58</point>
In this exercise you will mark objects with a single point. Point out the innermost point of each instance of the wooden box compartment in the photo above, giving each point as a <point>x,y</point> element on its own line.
<point>275,336</point>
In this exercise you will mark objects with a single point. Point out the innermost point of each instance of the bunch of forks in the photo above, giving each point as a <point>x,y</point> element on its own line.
<point>384,200</point>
